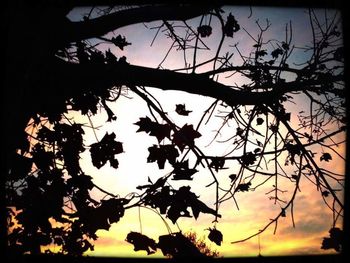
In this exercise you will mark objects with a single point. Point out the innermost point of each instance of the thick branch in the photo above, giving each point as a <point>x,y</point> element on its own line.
<point>107,23</point>
<point>125,74</point>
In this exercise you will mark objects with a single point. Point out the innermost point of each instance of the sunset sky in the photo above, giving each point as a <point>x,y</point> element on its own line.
<point>312,218</point>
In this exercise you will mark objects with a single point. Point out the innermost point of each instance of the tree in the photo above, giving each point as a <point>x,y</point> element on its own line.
<point>53,72</point>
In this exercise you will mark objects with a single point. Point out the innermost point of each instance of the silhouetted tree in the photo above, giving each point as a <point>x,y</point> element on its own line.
<point>54,65</point>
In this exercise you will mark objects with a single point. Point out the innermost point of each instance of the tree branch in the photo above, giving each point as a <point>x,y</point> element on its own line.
<point>107,23</point>
<point>126,74</point>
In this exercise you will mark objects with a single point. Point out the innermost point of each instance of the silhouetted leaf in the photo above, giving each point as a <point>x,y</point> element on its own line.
<point>259,121</point>
<point>243,187</point>
<point>215,236</point>
<point>120,42</point>
<point>283,213</point>
<point>293,149</point>
<point>182,172</point>
<point>204,30</point>
<point>181,110</point>
<point>217,163</point>
<point>233,177</point>
<point>142,242</point>
<point>81,182</point>
<point>111,59</point>
<point>276,53</point>
<point>177,245</point>
<point>185,136</point>
<point>231,26</point>
<point>261,53</point>
<point>326,157</point>
<point>162,153</point>
<point>325,193</point>
<point>184,198</point>
<point>151,187</point>
<point>160,131</point>
<point>110,211</point>
<point>335,240</point>
<point>248,159</point>
<point>105,150</point>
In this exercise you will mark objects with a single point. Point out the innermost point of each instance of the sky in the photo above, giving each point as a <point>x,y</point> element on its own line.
<point>312,218</point>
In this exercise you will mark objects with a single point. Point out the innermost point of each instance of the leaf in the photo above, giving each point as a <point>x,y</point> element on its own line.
<point>185,137</point>
<point>110,211</point>
<point>259,121</point>
<point>152,187</point>
<point>335,240</point>
<point>160,131</point>
<point>105,150</point>
<point>111,59</point>
<point>177,245</point>
<point>217,163</point>
<point>231,26</point>
<point>261,53</point>
<point>257,150</point>
<point>248,159</point>
<point>283,213</point>
<point>142,242</point>
<point>215,236</point>
<point>120,42</point>
<point>233,177</point>
<point>326,157</point>
<point>204,30</point>
<point>162,153</point>
<point>182,172</point>
<point>243,187</point>
<point>181,110</point>
<point>325,193</point>
<point>276,53</point>
<point>81,182</point>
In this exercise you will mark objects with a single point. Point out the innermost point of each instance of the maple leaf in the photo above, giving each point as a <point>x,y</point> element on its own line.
<point>160,131</point>
<point>104,151</point>
<point>185,136</point>
<point>142,242</point>
<point>181,110</point>
<point>182,172</point>
<point>162,153</point>
<point>184,198</point>
<point>326,157</point>
<point>215,236</point>
<point>110,211</point>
